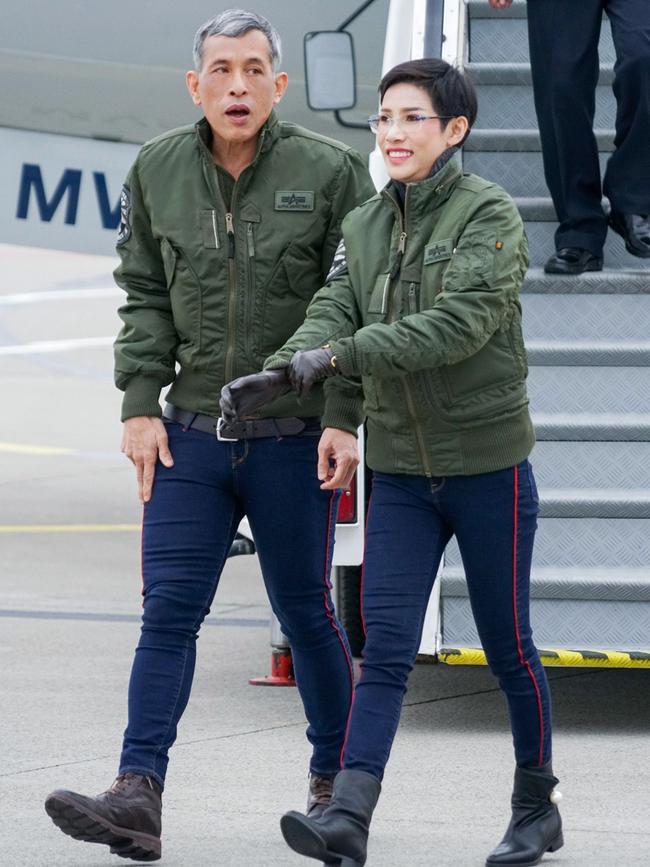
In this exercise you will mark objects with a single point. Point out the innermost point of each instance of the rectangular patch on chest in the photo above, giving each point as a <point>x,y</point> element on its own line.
<point>438,251</point>
<point>294,200</point>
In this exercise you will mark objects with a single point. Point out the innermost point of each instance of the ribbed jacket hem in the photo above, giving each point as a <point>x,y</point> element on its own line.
<point>491,447</point>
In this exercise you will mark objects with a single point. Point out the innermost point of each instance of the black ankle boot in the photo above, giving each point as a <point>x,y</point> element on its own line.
<point>536,826</point>
<point>126,817</point>
<point>340,835</point>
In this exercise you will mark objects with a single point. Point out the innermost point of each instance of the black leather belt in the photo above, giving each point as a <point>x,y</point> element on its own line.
<point>240,430</point>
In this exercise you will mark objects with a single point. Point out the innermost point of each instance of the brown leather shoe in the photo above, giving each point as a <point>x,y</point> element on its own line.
<point>320,795</point>
<point>126,817</point>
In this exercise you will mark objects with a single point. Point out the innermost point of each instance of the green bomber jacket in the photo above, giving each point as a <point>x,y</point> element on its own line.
<point>423,306</point>
<point>212,288</point>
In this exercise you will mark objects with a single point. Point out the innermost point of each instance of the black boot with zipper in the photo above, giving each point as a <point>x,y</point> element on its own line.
<point>339,836</point>
<point>536,825</point>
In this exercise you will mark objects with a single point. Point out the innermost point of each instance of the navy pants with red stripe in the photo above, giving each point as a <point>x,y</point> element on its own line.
<point>188,528</point>
<point>411,520</point>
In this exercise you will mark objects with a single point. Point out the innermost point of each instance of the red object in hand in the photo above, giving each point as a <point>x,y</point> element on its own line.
<point>347,513</point>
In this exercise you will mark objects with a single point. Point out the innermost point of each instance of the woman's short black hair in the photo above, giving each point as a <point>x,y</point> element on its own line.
<point>451,93</point>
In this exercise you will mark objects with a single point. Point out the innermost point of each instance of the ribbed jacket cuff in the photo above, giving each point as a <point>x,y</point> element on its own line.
<point>342,412</point>
<point>141,397</point>
<point>273,362</point>
<point>346,356</point>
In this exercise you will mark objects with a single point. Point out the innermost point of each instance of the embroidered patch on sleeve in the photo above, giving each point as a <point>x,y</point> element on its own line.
<point>124,229</point>
<point>339,263</point>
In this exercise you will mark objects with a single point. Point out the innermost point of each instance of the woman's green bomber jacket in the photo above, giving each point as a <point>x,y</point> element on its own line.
<point>425,310</point>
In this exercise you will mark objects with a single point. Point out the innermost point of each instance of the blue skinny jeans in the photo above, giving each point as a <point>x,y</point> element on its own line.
<point>188,527</point>
<point>411,520</point>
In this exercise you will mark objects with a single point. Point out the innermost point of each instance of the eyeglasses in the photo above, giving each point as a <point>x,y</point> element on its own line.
<point>381,123</point>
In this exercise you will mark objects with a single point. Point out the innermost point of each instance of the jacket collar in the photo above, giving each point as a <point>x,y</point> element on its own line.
<point>267,134</point>
<point>437,186</point>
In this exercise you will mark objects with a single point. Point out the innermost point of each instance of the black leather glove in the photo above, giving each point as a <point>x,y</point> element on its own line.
<point>244,395</point>
<point>310,366</point>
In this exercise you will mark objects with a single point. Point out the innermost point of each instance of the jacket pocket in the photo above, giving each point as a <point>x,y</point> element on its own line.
<point>185,295</point>
<point>281,301</point>
<point>495,364</point>
<point>379,297</point>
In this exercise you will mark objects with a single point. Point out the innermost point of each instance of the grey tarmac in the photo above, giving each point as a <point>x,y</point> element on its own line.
<point>69,607</point>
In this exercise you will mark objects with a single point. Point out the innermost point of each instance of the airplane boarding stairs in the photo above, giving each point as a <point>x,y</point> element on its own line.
<point>588,340</point>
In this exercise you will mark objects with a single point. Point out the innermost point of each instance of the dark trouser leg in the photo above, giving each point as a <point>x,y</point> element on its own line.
<point>563,36</point>
<point>494,518</point>
<point>627,179</point>
<point>188,528</point>
<point>405,540</point>
<point>293,523</point>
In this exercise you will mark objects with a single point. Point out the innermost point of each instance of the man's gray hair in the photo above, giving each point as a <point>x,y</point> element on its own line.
<point>236,22</point>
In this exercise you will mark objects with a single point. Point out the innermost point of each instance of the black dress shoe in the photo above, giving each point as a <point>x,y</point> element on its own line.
<point>635,231</point>
<point>573,260</point>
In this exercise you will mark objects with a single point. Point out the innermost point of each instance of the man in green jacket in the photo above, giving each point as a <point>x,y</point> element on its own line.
<point>228,228</point>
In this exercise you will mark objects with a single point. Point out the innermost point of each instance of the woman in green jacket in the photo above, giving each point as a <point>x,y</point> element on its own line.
<point>422,305</point>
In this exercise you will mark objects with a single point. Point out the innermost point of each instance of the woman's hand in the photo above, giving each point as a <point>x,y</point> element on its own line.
<point>243,396</point>
<point>310,366</point>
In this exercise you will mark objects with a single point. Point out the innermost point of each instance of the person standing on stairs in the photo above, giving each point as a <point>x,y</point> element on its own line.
<point>563,38</point>
<point>422,304</point>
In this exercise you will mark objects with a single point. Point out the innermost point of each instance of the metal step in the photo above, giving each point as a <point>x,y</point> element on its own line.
<point>541,242</point>
<point>551,319</point>
<point>574,624</point>
<point>505,96</point>
<point>608,390</point>
<point>594,503</point>
<point>591,465</point>
<point>589,353</point>
<point>622,585</point>
<point>612,545</point>
<point>592,427</point>
<point>521,173</point>
<point>569,609</point>
<point>519,74</point>
<point>502,38</point>
<point>619,282</point>
<point>522,140</point>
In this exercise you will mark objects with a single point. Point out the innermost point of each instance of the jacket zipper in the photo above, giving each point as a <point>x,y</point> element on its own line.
<point>410,403</point>
<point>231,318</point>
<point>232,298</point>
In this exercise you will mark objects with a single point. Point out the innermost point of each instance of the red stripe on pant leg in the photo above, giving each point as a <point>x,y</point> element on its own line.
<point>524,661</point>
<point>330,613</point>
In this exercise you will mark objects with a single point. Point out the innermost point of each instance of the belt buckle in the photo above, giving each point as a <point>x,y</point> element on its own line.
<point>222,439</point>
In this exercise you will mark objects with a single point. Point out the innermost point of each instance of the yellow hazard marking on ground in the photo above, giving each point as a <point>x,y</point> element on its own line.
<point>23,449</point>
<point>69,528</point>
<point>572,658</point>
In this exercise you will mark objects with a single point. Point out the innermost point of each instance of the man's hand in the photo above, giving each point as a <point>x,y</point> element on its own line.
<point>144,440</point>
<point>338,457</point>
<point>244,395</point>
<point>310,366</point>
<point>500,4</point>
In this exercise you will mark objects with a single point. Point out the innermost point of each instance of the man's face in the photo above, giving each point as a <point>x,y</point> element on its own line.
<point>236,86</point>
<point>409,144</point>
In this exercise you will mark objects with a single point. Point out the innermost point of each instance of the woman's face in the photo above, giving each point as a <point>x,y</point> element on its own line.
<point>410,136</point>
